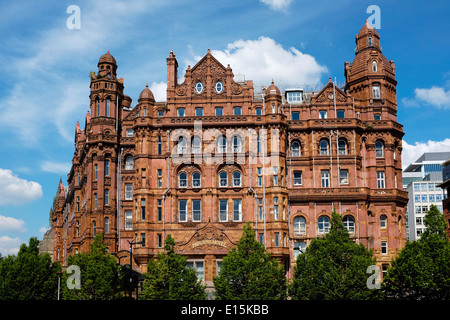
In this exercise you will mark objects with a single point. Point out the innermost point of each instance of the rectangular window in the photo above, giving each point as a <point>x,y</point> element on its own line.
<point>128,219</point>
<point>180,112</point>
<point>78,204</point>
<point>159,239</point>
<point>143,239</point>
<point>159,210</point>
<point>376,92</point>
<point>277,239</point>
<point>297,178</point>
<point>260,208</point>
<point>106,197</point>
<point>294,96</point>
<point>416,187</point>
<point>343,175</point>
<point>159,145</point>
<point>237,111</point>
<point>275,176</point>
<point>340,114</point>
<point>107,225</point>
<point>143,209</point>
<point>423,187</point>
<point>198,267</point>
<point>325,178</point>
<point>322,114</point>
<point>199,112</point>
<point>275,208</point>
<point>182,210</point>
<point>261,237</point>
<point>424,198</point>
<point>258,111</point>
<point>159,181</point>
<point>160,113</point>
<point>380,180</point>
<point>219,111</point>
<point>438,197</point>
<point>299,247</point>
<point>384,248</point>
<point>108,107</point>
<point>223,210</point>
<point>95,201</point>
<point>260,178</point>
<point>129,132</point>
<point>128,191</point>
<point>95,171</point>
<point>417,197</point>
<point>295,115</point>
<point>107,168</point>
<point>196,210</point>
<point>237,209</point>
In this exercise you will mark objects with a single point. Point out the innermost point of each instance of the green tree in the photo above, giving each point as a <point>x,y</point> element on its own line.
<point>99,274</point>
<point>248,272</point>
<point>29,276</point>
<point>333,267</point>
<point>168,277</point>
<point>422,269</point>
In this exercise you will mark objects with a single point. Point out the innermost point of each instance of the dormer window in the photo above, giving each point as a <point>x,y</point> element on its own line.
<point>370,42</point>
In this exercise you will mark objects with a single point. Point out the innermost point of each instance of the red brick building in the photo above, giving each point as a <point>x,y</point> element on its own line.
<point>218,153</point>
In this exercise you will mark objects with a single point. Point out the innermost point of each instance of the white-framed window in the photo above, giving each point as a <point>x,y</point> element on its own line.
<point>295,149</point>
<point>277,239</point>
<point>297,178</point>
<point>325,178</point>
<point>260,209</point>
<point>370,41</point>
<point>299,225</point>
<point>324,147</point>
<point>222,144</point>
<point>129,163</point>
<point>223,179</point>
<point>182,210</point>
<point>182,145</point>
<point>342,146</point>
<point>129,132</point>
<point>322,114</point>
<point>196,210</point>
<point>258,111</point>
<point>275,208</point>
<point>237,210</point>
<point>196,144</point>
<point>182,180</point>
<point>196,180</point>
<point>237,144</point>
<point>128,191</point>
<point>143,209</point>
<point>198,87</point>
<point>275,176</point>
<point>107,168</point>
<point>376,94</point>
<point>160,113</point>
<point>237,179</point>
<point>181,112</point>
<point>379,149</point>
<point>159,179</point>
<point>294,97</point>
<point>260,177</point>
<point>106,197</point>
<point>299,247</point>
<point>106,225</point>
<point>349,223</point>
<point>223,210</point>
<point>377,116</point>
<point>374,66</point>
<point>383,221</point>
<point>384,247</point>
<point>380,180</point>
<point>199,268</point>
<point>198,112</point>
<point>237,111</point>
<point>324,224</point>
<point>343,176</point>
<point>219,111</point>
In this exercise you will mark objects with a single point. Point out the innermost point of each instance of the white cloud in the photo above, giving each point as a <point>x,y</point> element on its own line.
<point>159,90</point>
<point>277,4</point>
<point>411,152</point>
<point>436,96</point>
<point>56,167</point>
<point>9,224</point>
<point>263,59</point>
<point>14,190</point>
<point>9,245</point>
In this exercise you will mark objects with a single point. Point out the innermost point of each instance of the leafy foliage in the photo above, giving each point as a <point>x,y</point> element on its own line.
<point>29,276</point>
<point>99,274</point>
<point>249,272</point>
<point>422,270</point>
<point>333,267</point>
<point>168,277</point>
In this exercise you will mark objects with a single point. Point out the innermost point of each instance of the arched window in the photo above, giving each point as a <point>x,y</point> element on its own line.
<point>182,180</point>
<point>349,223</point>
<point>295,149</point>
<point>222,144</point>
<point>342,146</point>
<point>379,149</point>
<point>324,224</point>
<point>182,145</point>
<point>129,163</point>
<point>383,221</point>
<point>196,145</point>
<point>299,225</point>
<point>196,180</point>
<point>237,182</point>
<point>324,147</point>
<point>236,144</point>
<point>374,66</point>
<point>223,179</point>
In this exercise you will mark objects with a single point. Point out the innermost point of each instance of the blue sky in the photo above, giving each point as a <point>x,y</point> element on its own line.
<point>44,87</point>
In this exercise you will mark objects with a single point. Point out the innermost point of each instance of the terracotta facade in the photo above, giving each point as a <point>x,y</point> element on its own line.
<point>217,154</point>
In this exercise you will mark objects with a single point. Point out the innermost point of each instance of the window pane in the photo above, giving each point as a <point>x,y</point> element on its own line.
<point>199,111</point>
<point>237,209</point>
<point>297,178</point>
<point>196,210</point>
<point>295,115</point>
<point>223,210</point>
<point>219,111</point>
<point>182,210</point>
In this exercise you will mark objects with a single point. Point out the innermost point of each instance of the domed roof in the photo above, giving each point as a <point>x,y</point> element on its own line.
<point>107,58</point>
<point>146,94</point>
<point>273,90</point>
<point>367,28</point>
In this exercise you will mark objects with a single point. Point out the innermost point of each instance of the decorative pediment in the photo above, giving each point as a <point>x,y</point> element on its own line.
<point>208,65</point>
<point>208,238</point>
<point>327,94</point>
